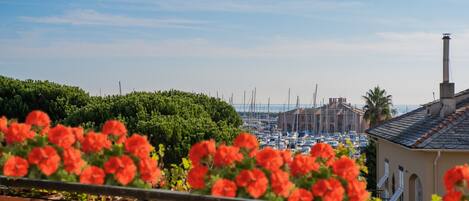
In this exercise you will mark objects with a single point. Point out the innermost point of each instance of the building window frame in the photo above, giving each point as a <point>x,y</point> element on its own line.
<point>399,194</point>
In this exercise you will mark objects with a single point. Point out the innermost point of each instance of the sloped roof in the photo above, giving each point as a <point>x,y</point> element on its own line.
<point>419,130</point>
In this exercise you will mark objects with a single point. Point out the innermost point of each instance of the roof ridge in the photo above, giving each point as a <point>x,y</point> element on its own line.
<point>448,121</point>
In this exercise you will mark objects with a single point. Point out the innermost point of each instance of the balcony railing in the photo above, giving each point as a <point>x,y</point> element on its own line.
<point>140,194</point>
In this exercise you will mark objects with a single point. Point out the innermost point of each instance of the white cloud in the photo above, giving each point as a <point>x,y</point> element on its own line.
<point>254,6</point>
<point>418,45</point>
<point>91,17</point>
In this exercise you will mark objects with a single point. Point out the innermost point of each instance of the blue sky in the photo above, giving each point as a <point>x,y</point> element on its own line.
<point>345,46</point>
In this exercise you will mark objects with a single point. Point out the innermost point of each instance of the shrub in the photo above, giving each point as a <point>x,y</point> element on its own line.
<point>174,119</point>
<point>18,98</point>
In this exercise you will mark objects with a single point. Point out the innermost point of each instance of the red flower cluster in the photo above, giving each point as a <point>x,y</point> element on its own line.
<point>227,155</point>
<point>61,136</point>
<point>456,180</point>
<point>346,168</point>
<point>323,151</point>
<point>328,190</point>
<point>254,181</point>
<point>15,167</point>
<point>72,160</point>
<point>18,133</point>
<point>201,150</point>
<point>63,151</point>
<point>303,164</point>
<point>281,184</point>
<point>247,141</point>
<point>196,177</point>
<point>92,175</point>
<point>300,195</point>
<point>46,159</point>
<point>269,158</point>
<point>138,145</point>
<point>38,118</point>
<point>268,173</point>
<point>117,128</point>
<point>95,142</point>
<point>122,167</point>
<point>224,187</point>
<point>149,171</point>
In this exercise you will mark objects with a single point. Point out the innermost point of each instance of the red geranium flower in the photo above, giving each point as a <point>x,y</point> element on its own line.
<point>200,150</point>
<point>303,164</point>
<point>38,118</point>
<point>117,128</point>
<point>92,175</point>
<point>281,184</point>
<point>287,156</point>
<point>15,166</point>
<point>73,162</point>
<point>149,171</point>
<point>46,159</point>
<point>3,124</point>
<point>138,145</point>
<point>356,191</point>
<point>224,187</point>
<point>328,190</point>
<point>453,196</point>
<point>300,195</point>
<point>114,127</point>
<point>17,133</point>
<point>324,151</point>
<point>61,136</point>
<point>122,167</point>
<point>78,133</point>
<point>227,155</point>
<point>269,158</point>
<point>455,175</point>
<point>95,142</point>
<point>346,168</point>
<point>196,177</point>
<point>254,180</point>
<point>247,141</point>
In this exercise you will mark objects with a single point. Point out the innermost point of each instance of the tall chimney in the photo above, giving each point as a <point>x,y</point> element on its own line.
<point>446,39</point>
<point>447,101</point>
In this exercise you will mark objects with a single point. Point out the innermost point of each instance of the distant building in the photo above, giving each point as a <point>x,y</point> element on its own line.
<point>414,150</point>
<point>337,116</point>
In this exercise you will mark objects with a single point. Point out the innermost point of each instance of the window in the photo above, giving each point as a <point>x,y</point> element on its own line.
<point>385,176</point>
<point>415,188</point>
<point>400,188</point>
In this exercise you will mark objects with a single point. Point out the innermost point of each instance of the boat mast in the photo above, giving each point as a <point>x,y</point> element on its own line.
<point>314,106</point>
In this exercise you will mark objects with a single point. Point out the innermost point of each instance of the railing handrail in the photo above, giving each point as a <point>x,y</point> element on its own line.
<point>139,193</point>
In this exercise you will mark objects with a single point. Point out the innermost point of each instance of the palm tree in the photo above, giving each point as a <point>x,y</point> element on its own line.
<point>378,106</point>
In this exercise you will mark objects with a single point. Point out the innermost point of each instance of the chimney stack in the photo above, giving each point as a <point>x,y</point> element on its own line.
<point>446,39</point>
<point>447,101</point>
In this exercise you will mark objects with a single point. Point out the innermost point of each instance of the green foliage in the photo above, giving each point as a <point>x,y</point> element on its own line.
<point>18,98</point>
<point>378,108</point>
<point>370,152</point>
<point>173,118</point>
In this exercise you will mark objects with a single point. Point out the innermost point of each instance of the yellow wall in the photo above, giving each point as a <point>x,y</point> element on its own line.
<point>417,162</point>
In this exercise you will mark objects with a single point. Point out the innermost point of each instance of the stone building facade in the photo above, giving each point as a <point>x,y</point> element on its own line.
<point>336,116</point>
